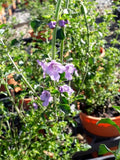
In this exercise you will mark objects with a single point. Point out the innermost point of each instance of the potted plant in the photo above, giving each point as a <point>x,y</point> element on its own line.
<point>49,75</point>
<point>54,97</point>
<point>97,83</point>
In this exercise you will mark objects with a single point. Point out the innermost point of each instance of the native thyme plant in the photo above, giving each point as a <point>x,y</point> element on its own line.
<point>42,132</point>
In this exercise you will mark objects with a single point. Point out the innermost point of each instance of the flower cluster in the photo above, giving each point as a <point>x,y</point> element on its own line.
<point>52,24</point>
<point>54,69</point>
<point>46,97</point>
<point>62,23</point>
<point>66,88</point>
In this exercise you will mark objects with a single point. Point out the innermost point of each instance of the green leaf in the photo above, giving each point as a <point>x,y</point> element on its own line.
<point>35,24</point>
<point>82,41</point>
<point>109,121</point>
<point>79,97</point>
<point>14,42</point>
<point>103,149</point>
<point>65,108</point>
<point>83,9</point>
<point>60,34</point>
<point>117,108</point>
<point>2,25</point>
<point>118,150</point>
<point>64,100</point>
<point>91,60</point>
<point>62,76</point>
<point>54,91</point>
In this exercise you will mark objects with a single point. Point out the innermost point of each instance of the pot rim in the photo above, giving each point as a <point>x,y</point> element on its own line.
<point>98,118</point>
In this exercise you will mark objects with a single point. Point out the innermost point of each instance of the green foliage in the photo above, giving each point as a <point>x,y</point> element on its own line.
<point>39,133</point>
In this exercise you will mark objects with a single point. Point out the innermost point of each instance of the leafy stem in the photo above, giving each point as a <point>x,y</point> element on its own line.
<point>55,29</point>
<point>88,42</point>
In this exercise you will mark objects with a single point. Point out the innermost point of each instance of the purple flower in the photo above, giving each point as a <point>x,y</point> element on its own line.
<point>52,24</point>
<point>54,69</point>
<point>69,69</point>
<point>35,105</point>
<point>61,23</point>
<point>66,21</point>
<point>66,88</point>
<point>43,65</point>
<point>46,98</point>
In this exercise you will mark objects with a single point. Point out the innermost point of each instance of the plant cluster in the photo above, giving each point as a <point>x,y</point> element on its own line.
<point>74,65</point>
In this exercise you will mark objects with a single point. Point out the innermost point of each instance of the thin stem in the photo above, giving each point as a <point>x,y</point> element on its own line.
<point>16,108</point>
<point>25,80</point>
<point>88,44</point>
<point>67,3</point>
<point>53,43</point>
<point>61,51</point>
<point>55,29</point>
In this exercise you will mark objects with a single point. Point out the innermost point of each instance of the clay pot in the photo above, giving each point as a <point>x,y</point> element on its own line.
<point>26,2</point>
<point>102,130</point>
<point>5,5</point>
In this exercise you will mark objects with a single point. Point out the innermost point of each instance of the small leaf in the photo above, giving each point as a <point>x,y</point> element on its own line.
<point>109,121</point>
<point>118,150</point>
<point>14,42</point>
<point>83,9</point>
<point>117,108</point>
<point>2,25</point>
<point>60,34</point>
<point>91,60</point>
<point>82,41</point>
<point>103,149</point>
<point>54,91</point>
<point>35,24</point>
<point>79,97</point>
<point>62,76</point>
<point>100,34</point>
<point>64,100</point>
<point>65,108</point>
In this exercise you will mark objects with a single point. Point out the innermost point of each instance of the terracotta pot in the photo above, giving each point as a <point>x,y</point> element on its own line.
<point>40,35</point>
<point>26,2</point>
<point>5,5</point>
<point>102,130</point>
